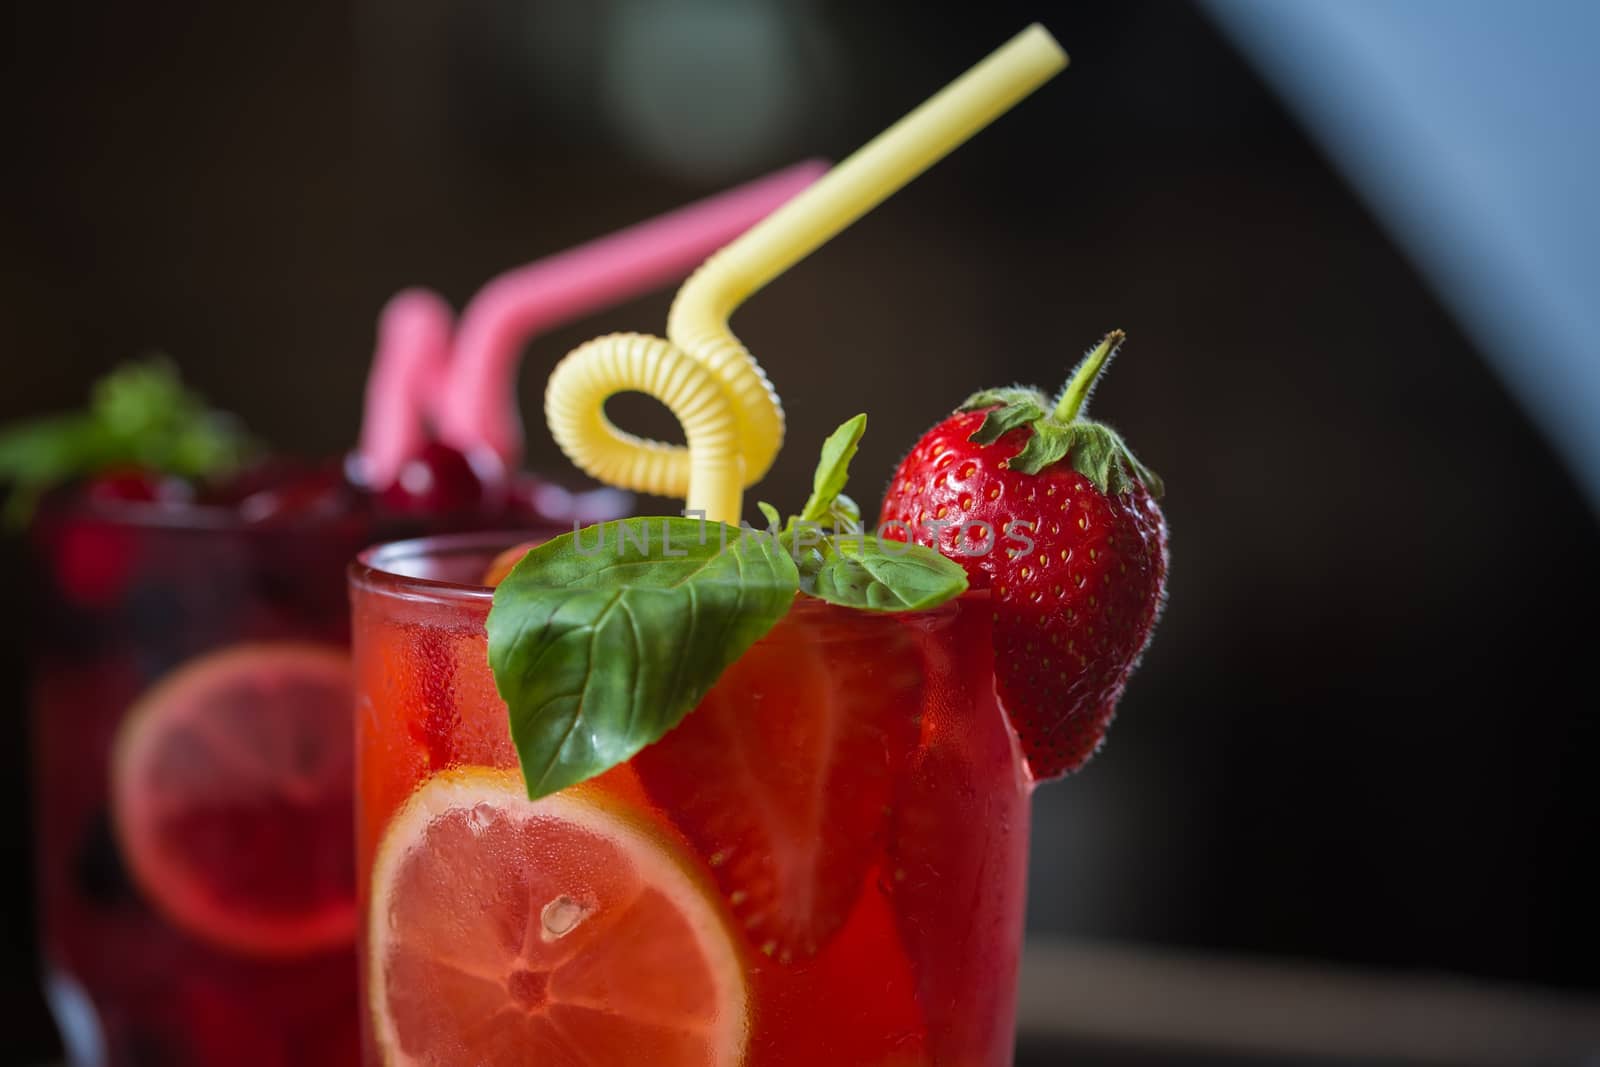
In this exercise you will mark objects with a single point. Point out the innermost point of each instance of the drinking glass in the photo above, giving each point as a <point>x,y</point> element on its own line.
<point>824,862</point>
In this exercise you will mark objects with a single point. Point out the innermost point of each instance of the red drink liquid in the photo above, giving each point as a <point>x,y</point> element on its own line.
<point>194,776</point>
<point>847,803</point>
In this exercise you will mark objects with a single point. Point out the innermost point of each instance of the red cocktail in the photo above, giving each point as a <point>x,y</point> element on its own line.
<point>679,791</point>
<point>824,861</point>
<point>194,772</point>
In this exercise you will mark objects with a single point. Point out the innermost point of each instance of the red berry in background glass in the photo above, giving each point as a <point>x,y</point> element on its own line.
<point>305,492</point>
<point>441,480</point>
<point>135,485</point>
<point>1053,514</point>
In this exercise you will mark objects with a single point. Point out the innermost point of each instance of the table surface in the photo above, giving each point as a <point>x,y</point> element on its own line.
<point>1118,1005</point>
<point>1095,1002</point>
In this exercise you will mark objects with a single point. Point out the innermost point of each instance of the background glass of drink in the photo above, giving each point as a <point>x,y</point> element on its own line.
<point>847,799</point>
<point>193,773</point>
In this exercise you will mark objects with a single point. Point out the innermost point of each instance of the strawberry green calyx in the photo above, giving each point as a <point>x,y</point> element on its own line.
<point>1075,396</point>
<point>1061,431</point>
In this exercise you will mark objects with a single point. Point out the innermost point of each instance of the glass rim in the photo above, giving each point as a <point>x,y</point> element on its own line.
<point>66,505</point>
<point>371,572</point>
<point>373,568</point>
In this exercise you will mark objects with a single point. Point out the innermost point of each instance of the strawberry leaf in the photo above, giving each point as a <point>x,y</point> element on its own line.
<point>1002,420</point>
<point>601,644</point>
<point>1100,454</point>
<point>1046,445</point>
<point>1005,397</point>
<point>1093,449</point>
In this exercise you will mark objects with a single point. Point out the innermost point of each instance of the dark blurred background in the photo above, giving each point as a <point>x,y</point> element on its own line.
<point>1365,733</point>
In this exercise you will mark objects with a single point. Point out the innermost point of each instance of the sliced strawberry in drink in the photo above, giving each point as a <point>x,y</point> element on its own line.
<point>782,777</point>
<point>855,1003</point>
<point>958,894</point>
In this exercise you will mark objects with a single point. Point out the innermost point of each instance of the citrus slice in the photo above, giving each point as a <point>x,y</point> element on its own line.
<point>232,786</point>
<point>502,564</point>
<point>507,931</point>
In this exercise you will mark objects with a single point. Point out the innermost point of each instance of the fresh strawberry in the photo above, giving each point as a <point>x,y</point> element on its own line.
<point>782,777</point>
<point>1055,516</point>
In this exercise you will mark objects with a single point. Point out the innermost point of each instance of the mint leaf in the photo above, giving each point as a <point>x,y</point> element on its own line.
<point>833,469</point>
<point>602,640</point>
<point>163,426</point>
<point>51,449</point>
<point>140,415</point>
<point>859,572</point>
<point>42,453</point>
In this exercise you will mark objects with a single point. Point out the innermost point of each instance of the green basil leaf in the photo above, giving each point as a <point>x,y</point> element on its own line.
<point>844,514</point>
<point>770,513</point>
<point>602,640</point>
<point>833,469</point>
<point>860,572</point>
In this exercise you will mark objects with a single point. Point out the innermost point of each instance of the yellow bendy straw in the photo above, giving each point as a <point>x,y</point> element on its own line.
<point>730,414</point>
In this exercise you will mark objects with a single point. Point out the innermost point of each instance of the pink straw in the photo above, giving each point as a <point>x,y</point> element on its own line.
<point>408,372</point>
<point>479,403</point>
